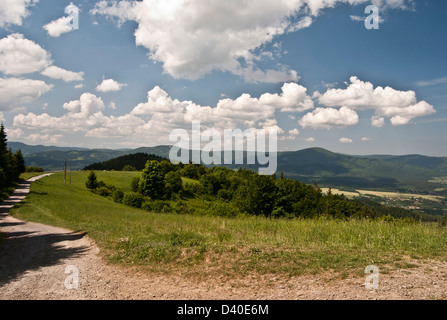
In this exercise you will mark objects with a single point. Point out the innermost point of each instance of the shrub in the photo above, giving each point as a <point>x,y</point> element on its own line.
<point>34,169</point>
<point>118,196</point>
<point>134,183</point>
<point>223,209</point>
<point>210,184</point>
<point>157,206</point>
<point>161,206</point>
<point>224,194</point>
<point>181,207</point>
<point>174,181</point>
<point>279,212</point>
<point>103,191</point>
<point>133,199</point>
<point>147,205</point>
<point>388,219</point>
<point>443,222</point>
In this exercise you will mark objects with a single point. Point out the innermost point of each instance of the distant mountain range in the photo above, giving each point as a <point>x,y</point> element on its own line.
<point>400,173</point>
<point>52,158</point>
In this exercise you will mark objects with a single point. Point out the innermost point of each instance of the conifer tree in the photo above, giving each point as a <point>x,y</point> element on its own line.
<point>92,182</point>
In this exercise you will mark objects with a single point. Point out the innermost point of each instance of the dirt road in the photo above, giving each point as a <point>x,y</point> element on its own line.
<point>40,262</point>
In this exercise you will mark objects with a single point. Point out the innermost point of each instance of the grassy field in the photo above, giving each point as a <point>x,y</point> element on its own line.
<point>199,245</point>
<point>383,194</point>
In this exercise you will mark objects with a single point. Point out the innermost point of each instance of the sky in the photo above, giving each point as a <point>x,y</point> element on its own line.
<point>125,74</point>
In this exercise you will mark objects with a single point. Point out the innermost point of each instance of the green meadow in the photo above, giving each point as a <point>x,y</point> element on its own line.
<point>207,245</point>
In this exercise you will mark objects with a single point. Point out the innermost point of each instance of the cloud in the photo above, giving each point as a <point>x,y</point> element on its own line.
<point>44,138</point>
<point>189,43</point>
<point>345,140</point>
<point>14,11</point>
<point>357,18</point>
<point>14,133</point>
<point>87,105</point>
<point>15,92</point>
<point>62,74</point>
<point>294,132</point>
<point>58,27</point>
<point>309,139</point>
<point>291,136</point>
<point>302,24</point>
<point>153,120</point>
<point>63,25</point>
<point>110,85</point>
<point>269,76</point>
<point>432,82</point>
<point>325,118</point>
<point>400,106</point>
<point>84,116</point>
<point>193,38</point>
<point>19,55</point>
<point>244,109</point>
<point>378,122</point>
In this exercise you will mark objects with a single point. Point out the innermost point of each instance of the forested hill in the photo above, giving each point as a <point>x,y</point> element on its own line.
<point>129,162</point>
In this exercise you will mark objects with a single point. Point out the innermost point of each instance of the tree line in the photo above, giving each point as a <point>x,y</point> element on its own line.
<point>166,187</point>
<point>11,164</point>
<point>130,162</point>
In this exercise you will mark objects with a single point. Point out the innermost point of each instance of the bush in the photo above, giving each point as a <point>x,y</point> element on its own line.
<point>224,209</point>
<point>129,168</point>
<point>134,184</point>
<point>174,182</point>
<point>103,191</point>
<point>443,222</point>
<point>224,194</point>
<point>157,206</point>
<point>34,169</point>
<point>147,205</point>
<point>280,212</point>
<point>118,196</point>
<point>162,206</point>
<point>181,207</point>
<point>388,219</point>
<point>133,199</point>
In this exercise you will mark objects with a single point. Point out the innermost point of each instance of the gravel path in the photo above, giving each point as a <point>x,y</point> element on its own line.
<point>39,262</point>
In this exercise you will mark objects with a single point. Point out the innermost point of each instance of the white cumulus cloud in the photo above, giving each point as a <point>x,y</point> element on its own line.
<point>346,140</point>
<point>401,107</point>
<point>193,38</point>
<point>325,118</point>
<point>15,92</point>
<point>58,27</point>
<point>65,75</point>
<point>110,85</point>
<point>19,55</point>
<point>14,11</point>
<point>153,120</point>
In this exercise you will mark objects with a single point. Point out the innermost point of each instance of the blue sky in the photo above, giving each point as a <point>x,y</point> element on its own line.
<point>135,71</point>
